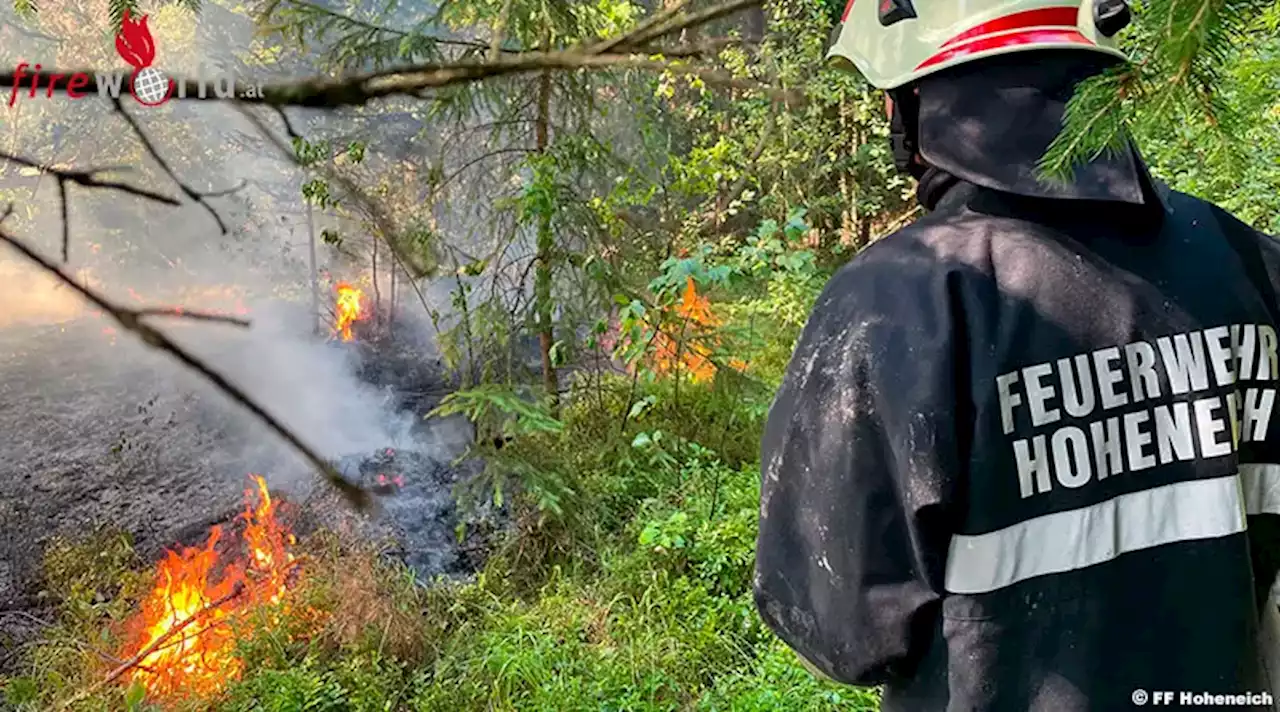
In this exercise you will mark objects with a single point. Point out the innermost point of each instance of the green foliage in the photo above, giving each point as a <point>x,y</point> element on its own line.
<point>92,584</point>
<point>351,42</point>
<point>499,405</point>
<point>29,9</point>
<point>117,8</point>
<point>1184,56</point>
<point>1246,186</point>
<point>316,192</point>
<point>625,583</point>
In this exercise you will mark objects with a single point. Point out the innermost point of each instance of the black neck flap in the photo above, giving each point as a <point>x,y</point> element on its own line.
<point>903,134</point>
<point>989,122</point>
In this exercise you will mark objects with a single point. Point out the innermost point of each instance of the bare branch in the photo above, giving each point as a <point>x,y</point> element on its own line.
<point>289,130</point>
<point>89,179</point>
<point>193,314</point>
<point>355,90</point>
<point>66,221</point>
<point>495,43</point>
<point>710,14</point>
<point>695,49</point>
<point>639,30</point>
<point>192,193</point>
<point>131,320</point>
<point>360,89</point>
<point>483,157</point>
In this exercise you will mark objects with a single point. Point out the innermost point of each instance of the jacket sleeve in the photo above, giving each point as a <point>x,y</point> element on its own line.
<point>859,464</point>
<point>1260,257</point>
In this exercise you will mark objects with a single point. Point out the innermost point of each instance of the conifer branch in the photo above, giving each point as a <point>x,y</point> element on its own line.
<point>1180,51</point>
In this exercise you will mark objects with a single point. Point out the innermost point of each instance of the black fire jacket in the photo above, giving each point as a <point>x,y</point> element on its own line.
<point>1026,456</point>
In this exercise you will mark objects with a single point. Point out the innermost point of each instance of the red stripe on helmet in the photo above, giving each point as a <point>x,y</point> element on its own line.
<point>1042,17</point>
<point>847,8</point>
<point>982,44</point>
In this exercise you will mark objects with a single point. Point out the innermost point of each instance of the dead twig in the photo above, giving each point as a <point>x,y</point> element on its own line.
<point>194,314</point>
<point>696,19</point>
<point>89,179</point>
<point>195,195</point>
<point>130,320</point>
<point>639,30</point>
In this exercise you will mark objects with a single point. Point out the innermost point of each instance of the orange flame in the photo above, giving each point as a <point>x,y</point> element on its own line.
<point>688,344</point>
<point>349,310</point>
<point>195,599</point>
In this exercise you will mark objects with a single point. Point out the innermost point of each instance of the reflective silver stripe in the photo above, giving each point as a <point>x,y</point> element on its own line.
<point>1261,488</point>
<point>1075,539</point>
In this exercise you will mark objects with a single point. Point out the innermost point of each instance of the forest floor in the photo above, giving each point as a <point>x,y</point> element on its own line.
<point>87,444</point>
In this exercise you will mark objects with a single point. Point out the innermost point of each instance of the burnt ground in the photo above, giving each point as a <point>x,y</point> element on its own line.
<point>132,443</point>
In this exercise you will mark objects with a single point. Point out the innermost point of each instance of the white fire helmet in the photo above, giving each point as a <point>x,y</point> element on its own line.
<point>895,42</point>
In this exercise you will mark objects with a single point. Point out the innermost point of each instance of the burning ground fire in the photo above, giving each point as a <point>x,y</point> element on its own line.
<point>183,640</point>
<point>348,310</point>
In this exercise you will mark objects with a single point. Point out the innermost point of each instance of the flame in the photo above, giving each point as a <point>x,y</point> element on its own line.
<point>695,322</point>
<point>348,310</point>
<point>134,43</point>
<point>197,596</point>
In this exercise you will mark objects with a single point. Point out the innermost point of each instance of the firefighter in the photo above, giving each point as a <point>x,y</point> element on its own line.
<point>1026,455</point>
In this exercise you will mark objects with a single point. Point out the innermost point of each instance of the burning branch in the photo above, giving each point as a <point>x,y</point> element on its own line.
<point>156,644</point>
<point>132,320</point>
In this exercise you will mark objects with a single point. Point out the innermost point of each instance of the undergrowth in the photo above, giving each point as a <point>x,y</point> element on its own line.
<point>640,601</point>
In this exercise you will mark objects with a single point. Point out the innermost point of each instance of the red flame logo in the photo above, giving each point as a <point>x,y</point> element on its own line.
<point>134,42</point>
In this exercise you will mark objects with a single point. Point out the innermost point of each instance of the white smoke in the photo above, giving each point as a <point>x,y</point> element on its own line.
<point>309,384</point>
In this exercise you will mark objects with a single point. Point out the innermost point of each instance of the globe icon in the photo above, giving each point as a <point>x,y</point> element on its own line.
<point>150,86</point>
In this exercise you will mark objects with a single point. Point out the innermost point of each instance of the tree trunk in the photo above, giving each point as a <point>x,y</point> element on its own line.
<point>377,296</point>
<point>755,25</point>
<point>546,244</point>
<point>391,300</point>
<point>315,280</point>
